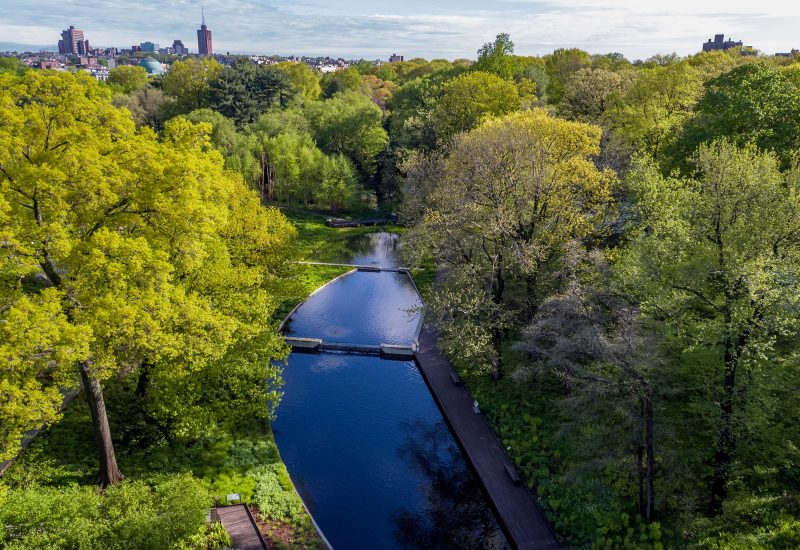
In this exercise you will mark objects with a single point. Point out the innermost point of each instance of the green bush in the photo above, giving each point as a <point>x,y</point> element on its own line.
<point>130,515</point>
<point>275,495</point>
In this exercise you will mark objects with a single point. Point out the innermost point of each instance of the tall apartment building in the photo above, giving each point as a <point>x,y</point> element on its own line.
<point>73,42</point>
<point>204,39</point>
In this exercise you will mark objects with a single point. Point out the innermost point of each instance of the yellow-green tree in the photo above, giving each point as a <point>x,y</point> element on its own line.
<point>467,99</point>
<point>127,78</point>
<point>648,117</point>
<point>140,249</point>
<point>716,257</point>
<point>189,82</point>
<point>304,79</point>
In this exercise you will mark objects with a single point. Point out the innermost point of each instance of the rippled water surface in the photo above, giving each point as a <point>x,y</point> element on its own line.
<point>362,437</point>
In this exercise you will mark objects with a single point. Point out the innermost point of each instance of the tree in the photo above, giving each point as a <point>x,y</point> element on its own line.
<point>304,79</point>
<point>715,257</point>
<point>468,99</point>
<point>189,82</point>
<point>138,241</point>
<point>244,91</point>
<point>349,124</point>
<point>127,78</point>
<point>587,93</point>
<point>381,91</point>
<point>602,348</point>
<point>342,80</point>
<point>751,104</point>
<point>648,116</point>
<point>499,212</point>
<point>498,57</point>
<point>560,66</point>
<point>148,106</point>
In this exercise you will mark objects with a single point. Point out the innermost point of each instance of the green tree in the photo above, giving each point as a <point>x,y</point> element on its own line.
<point>715,257</point>
<point>127,78</point>
<point>498,57</point>
<point>561,65</point>
<point>500,211</point>
<point>349,124</point>
<point>244,91</point>
<point>467,99</point>
<point>136,239</point>
<point>342,80</point>
<point>753,103</point>
<point>189,82</point>
<point>648,116</point>
<point>587,94</point>
<point>304,79</point>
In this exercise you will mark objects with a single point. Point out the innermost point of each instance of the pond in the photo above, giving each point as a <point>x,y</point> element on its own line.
<point>362,437</point>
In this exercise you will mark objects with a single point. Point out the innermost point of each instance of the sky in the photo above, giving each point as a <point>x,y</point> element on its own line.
<point>415,28</point>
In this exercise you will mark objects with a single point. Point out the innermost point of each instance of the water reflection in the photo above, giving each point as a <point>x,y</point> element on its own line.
<point>362,437</point>
<point>372,249</point>
<point>456,513</point>
<point>360,308</point>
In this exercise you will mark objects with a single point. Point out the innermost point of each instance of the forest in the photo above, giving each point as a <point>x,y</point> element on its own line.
<point>615,247</point>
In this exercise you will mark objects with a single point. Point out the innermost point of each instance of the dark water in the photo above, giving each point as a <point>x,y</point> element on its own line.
<point>362,437</point>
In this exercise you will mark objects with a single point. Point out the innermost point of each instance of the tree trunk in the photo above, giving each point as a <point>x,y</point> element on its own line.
<point>109,472</point>
<point>497,344</point>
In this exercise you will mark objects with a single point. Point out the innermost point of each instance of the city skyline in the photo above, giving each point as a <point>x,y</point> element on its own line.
<point>357,28</point>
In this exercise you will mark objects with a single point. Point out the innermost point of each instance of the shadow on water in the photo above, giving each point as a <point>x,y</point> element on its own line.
<point>456,513</point>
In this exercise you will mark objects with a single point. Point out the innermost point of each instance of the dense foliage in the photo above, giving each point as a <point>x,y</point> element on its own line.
<point>617,242</point>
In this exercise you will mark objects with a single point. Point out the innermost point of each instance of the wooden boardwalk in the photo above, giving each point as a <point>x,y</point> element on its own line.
<point>241,527</point>
<point>524,523</point>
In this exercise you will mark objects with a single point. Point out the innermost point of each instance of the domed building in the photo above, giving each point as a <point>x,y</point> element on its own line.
<point>152,66</point>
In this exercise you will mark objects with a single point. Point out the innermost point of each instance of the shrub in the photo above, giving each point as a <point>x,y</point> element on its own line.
<point>275,495</point>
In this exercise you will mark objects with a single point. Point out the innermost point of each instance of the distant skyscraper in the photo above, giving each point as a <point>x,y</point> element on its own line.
<point>73,42</point>
<point>204,38</point>
<point>179,48</point>
<point>148,47</point>
<point>394,58</point>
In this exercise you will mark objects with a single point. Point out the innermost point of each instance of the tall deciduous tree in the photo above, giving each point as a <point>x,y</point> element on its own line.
<point>189,82</point>
<point>125,230</point>
<point>716,257</point>
<point>127,78</point>
<point>752,103</point>
<point>649,115</point>
<point>467,99</point>
<point>513,192</point>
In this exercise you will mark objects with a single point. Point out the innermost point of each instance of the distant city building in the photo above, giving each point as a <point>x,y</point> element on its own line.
<point>148,47</point>
<point>204,39</point>
<point>793,53</point>
<point>73,42</point>
<point>136,48</point>
<point>720,44</point>
<point>396,58</point>
<point>179,48</point>
<point>152,66</point>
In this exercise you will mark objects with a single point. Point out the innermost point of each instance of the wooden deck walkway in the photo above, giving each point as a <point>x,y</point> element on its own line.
<point>524,523</point>
<point>241,527</point>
